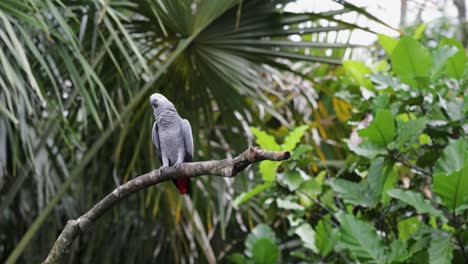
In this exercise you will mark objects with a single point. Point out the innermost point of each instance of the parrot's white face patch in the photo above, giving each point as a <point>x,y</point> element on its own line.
<point>156,97</point>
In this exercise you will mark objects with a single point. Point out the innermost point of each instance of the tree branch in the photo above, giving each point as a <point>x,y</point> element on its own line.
<point>223,168</point>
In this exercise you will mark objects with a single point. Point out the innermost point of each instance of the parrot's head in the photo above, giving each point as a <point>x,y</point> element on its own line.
<point>159,102</point>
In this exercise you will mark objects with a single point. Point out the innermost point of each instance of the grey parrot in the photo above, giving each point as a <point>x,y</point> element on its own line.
<point>172,137</point>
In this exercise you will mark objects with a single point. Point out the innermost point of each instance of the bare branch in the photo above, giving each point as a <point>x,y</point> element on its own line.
<point>223,168</point>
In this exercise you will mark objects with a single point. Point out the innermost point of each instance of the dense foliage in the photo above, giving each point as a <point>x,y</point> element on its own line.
<point>401,195</point>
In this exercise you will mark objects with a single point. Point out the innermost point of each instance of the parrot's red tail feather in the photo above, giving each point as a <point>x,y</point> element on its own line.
<point>182,185</point>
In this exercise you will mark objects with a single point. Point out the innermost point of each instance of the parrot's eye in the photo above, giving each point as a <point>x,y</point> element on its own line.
<point>154,103</point>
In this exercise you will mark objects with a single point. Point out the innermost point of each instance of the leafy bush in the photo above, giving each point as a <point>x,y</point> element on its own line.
<point>401,195</point>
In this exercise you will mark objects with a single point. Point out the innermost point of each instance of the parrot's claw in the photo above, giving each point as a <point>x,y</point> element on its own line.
<point>163,168</point>
<point>177,164</point>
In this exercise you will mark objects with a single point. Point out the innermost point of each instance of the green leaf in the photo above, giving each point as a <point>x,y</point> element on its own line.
<point>382,129</point>
<point>361,239</point>
<point>408,132</point>
<point>237,258</point>
<point>268,170</point>
<point>294,137</point>
<point>441,58</point>
<point>453,189</point>
<point>301,149</point>
<point>398,252</point>
<point>392,178</point>
<point>325,236</point>
<point>367,149</point>
<point>377,176</point>
<point>358,71</point>
<point>408,227</point>
<point>288,205</point>
<point>456,64</point>
<point>245,196</point>
<point>453,157</point>
<point>353,193</point>
<point>264,251</point>
<point>414,199</point>
<point>411,61</point>
<point>292,179</point>
<point>311,188</point>
<point>264,140</point>
<point>261,231</point>
<point>441,249</point>
<point>419,31</point>
<point>388,43</point>
<point>307,235</point>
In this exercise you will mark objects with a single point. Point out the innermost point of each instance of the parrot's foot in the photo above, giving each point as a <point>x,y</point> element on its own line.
<point>163,168</point>
<point>177,164</point>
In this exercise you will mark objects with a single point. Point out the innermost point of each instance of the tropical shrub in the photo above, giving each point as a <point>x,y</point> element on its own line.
<point>401,194</point>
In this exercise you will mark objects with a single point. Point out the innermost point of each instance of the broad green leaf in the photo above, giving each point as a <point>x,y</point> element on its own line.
<point>408,227</point>
<point>325,236</point>
<point>441,249</point>
<point>392,178</point>
<point>264,251</point>
<point>419,31</point>
<point>411,61</point>
<point>408,132</point>
<point>292,179</point>
<point>358,71</point>
<point>377,176</point>
<point>382,129</point>
<point>416,200</point>
<point>367,149</point>
<point>453,189</point>
<point>353,193</point>
<point>398,252</point>
<point>264,140</point>
<point>307,235</point>
<point>388,43</point>
<point>310,188</point>
<point>441,56</point>
<point>456,64</point>
<point>453,157</point>
<point>455,109</point>
<point>245,196</point>
<point>268,170</point>
<point>288,205</point>
<point>294,137</point>
<point>260,231</point>
<point>361,239</point>
<point>237,258</point>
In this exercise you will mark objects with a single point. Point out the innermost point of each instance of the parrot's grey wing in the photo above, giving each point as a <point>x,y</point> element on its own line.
<point>155,138</point>
<point>188,139</point>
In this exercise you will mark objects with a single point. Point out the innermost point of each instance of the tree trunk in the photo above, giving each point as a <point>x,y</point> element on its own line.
<point>403,9</point>
<point>461,7</point>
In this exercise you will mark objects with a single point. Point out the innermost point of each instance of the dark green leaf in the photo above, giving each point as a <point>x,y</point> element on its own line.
<point>361,239</point>
<point>264,251</point>
<point>453,189</point>
<point>382,129</point>
<point>441,249</point>
<point>353,193</point>
<point>416,200</point>
<point>453,157</point>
